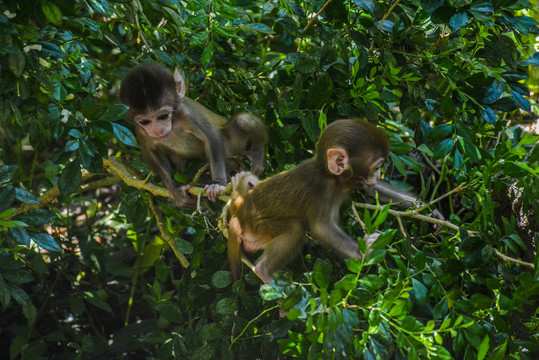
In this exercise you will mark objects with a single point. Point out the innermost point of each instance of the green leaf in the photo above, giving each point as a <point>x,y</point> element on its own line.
<point>365,5</point>
<point>322,272</point>
<point>353,265</point>
<point>499,352</point>
<point>221,279</point>
<point>226,306</point>
<point>211,332</point>
<point>440,131</point>
<point>310,124</point>
<point>458,21</point>
<point>184,246</point>
<point>124,134</point>
<point>16,63</point>
<point>522,103</point>
<point>88,23</point>
<point>54,50</point>
<point>101,6</point>
<point>420,291</point>
<point>384,239</point>
<point>447,107</point>
<point>37,217</point>
<point>20,235</point>
<point>70,178</point>
<point>401,148</point>
<point>347,283</point>
<point>483,348</point>
<point>115,112</point>
<point>304,65</point>
<point>484,7</point>
<point>398,163</point>
<point>443,148</point>
<point>199,39</point>
<point>261,28</point>
<point>97,302</point>
<point>7,172</point>
<point>72,145</point>
<point>45,241</point>
<point>52,12</point>
<point>26,197</point>
<point>375,257</point>
<point>269,293</point>
<point>207,54</point>
<point>319,92</point>
<point>8,195</point>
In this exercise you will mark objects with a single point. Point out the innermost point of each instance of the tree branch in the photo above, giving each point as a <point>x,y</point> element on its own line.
<point>166,236</point>
<point>413,214</point>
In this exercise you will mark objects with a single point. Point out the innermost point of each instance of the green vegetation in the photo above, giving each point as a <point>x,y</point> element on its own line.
<point>86,269</point>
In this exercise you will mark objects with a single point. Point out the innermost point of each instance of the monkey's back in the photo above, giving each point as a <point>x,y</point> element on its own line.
<point>293,194</point>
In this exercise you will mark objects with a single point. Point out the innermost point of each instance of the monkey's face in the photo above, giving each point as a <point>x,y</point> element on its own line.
<point>373,174</point>
<point>157,124</point>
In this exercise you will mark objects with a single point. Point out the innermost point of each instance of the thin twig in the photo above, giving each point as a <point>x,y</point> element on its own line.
<point>459,188</point>
<point>166,236</point>
<point>143,38</point>
<point>54,193</point>
<point>516,261</point>
<point>386,15</point>
<point>356,215</point>
<point>414,215</point>
<point>313,19</point>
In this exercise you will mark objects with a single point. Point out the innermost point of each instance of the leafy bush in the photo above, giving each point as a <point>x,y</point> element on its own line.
<point>84,268</point>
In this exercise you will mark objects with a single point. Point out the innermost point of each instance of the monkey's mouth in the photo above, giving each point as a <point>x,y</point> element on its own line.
<point>364,184</point>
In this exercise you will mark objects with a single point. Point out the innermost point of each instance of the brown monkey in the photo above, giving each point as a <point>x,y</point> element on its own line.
<point>172,128</point>
<point>273,215</point>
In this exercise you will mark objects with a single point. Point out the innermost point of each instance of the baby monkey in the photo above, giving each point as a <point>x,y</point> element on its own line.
<point>272,215</point>
<point>172,128</point>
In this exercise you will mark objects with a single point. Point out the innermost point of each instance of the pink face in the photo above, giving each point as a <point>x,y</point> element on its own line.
<point>157,124</point>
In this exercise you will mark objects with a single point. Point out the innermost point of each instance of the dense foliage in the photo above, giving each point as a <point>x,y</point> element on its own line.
<point>86,269</point>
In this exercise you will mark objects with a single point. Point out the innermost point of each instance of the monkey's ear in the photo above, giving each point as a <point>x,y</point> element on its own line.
<point>180,83</point>
<point>337,160</point>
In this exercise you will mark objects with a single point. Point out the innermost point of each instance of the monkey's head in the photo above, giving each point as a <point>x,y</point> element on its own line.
<point>353,150</point>
<point>152,94</point>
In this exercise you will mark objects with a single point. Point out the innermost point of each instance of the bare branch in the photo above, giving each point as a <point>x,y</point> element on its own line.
<point>166,236</point>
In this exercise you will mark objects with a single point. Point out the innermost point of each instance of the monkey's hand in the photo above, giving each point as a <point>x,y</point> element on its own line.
<point>213,191</point>
<point>183,199</point>
<point>438,215</point>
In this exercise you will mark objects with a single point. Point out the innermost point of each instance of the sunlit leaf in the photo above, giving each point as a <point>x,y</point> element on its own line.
<point>45,241</point>
<point>124,134</point>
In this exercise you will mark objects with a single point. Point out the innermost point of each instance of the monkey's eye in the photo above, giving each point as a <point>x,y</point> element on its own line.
<point>145,122</point>
<point>163,117</point>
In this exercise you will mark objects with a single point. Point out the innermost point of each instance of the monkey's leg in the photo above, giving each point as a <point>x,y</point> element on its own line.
<point>234,247</point>
<point>253,132</point>
<point>280,251</point>
<point>330,235</point>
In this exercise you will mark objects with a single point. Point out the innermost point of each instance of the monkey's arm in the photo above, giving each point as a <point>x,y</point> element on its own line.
<point>162,166</point>
<point>387,193</point>
<point>401,198</point>
<point>215,152</point>
<point>329,234</point>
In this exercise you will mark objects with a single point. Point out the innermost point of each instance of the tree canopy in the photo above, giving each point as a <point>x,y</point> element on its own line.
<point>97,262</point>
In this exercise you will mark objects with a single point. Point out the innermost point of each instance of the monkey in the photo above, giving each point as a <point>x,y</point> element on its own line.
<point>172,128</point>
<point>272,215</point>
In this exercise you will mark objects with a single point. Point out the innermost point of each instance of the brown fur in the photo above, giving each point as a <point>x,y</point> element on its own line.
<point>275,213</point>
<point>195,132</point>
